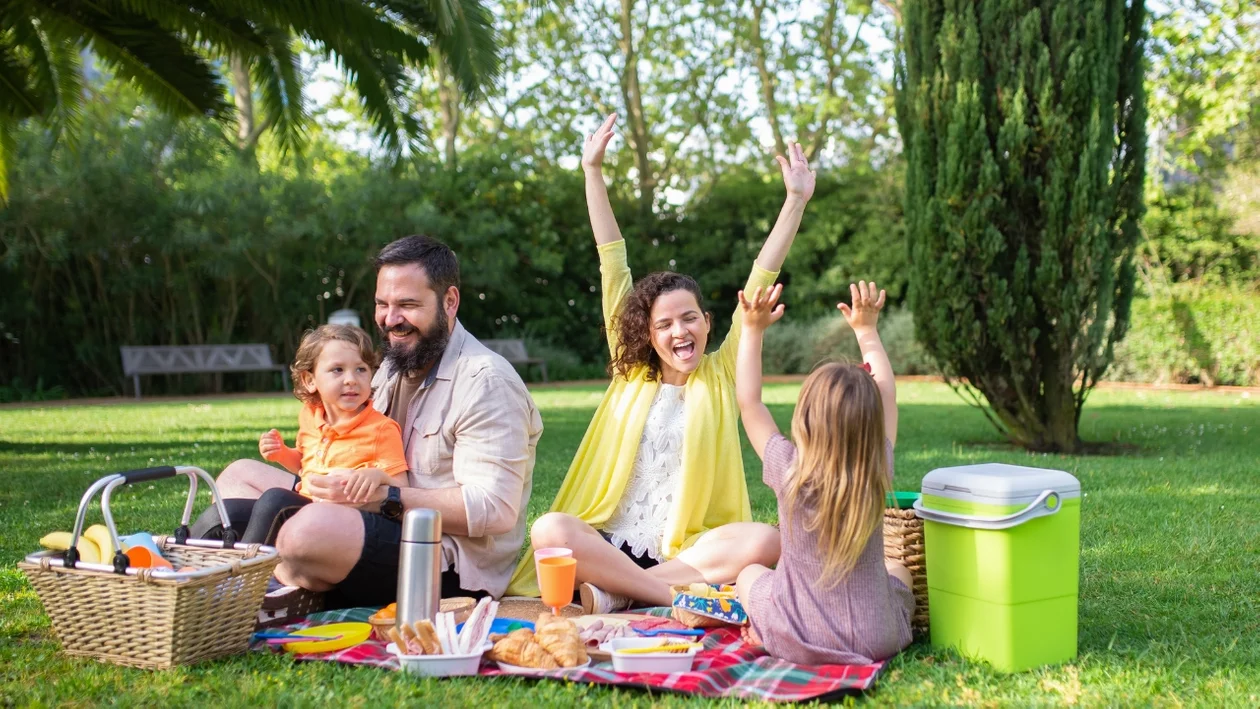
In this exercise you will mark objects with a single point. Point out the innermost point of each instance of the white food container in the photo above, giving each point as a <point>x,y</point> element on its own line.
<point>657,662</point>
<point>440,665</point>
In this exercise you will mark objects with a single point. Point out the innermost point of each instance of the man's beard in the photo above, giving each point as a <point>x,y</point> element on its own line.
<point>428,348</point>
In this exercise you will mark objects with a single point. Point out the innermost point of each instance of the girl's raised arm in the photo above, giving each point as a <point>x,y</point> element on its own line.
<point>760,310</point>
<point>862,317</point>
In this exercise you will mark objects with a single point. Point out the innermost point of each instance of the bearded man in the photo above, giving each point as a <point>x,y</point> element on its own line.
<point>469,428</point>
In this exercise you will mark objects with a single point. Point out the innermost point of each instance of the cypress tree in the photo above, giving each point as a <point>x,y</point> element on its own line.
<point>1024,131</point>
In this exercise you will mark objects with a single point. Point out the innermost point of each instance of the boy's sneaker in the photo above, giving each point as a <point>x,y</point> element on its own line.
<point>285,604</point>
<point>596,600</point>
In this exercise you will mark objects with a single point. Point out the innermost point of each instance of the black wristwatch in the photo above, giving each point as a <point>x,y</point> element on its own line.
<point>392,506</point>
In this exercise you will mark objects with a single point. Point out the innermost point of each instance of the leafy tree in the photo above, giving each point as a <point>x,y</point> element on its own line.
<point>1024,125</point>
<point>1204,87</point>
<point>175,54</point>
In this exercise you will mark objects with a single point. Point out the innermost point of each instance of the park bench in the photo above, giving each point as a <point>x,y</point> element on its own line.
<point>199,359</point>
<point>514,351</point>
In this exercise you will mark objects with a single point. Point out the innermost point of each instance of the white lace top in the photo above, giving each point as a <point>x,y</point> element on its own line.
<point>639,520</point>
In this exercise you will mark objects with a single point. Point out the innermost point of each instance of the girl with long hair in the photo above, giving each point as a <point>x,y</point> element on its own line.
<point>832,599</point>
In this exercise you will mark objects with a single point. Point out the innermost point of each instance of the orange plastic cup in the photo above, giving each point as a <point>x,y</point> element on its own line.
<point>556,577</point>
<point>141,557</point>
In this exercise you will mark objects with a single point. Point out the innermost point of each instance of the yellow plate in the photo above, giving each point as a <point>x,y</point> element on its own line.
<point>351,634</point>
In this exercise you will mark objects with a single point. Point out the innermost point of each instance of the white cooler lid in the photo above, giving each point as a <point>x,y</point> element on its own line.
<point>998,483</point>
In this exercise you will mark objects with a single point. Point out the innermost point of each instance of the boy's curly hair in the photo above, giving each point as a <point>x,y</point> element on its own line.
<point>632,326</point>
<point>312,344</point>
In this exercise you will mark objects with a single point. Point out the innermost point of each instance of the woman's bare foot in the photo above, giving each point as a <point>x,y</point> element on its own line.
<point>749,635</point>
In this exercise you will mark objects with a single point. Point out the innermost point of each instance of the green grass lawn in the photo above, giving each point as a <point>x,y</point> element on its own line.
<point>1170,558</point>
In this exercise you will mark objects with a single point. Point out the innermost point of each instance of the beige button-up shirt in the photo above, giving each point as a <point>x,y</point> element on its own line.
<point>472,424</point>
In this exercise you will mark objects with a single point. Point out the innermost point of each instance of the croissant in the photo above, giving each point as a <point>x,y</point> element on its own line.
<point>559,636</point>
<point>520,648</point>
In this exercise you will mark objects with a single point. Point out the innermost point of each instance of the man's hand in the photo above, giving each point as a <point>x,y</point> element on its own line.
<point>332,488</point>
<point>797,177</point>
<point>864,312</point>
<point>270,444</point>
<point>763,309</point>
<point>597,143</point>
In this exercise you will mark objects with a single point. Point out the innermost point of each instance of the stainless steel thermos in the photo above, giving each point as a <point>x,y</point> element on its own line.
<point>419,566</point>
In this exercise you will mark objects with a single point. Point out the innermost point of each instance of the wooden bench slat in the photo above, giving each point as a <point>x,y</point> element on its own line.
<point>514,352</point>
<point>198,359</point>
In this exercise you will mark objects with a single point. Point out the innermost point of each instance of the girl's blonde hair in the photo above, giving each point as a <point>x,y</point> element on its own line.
<point>312,344</point>
<point>840,475</point>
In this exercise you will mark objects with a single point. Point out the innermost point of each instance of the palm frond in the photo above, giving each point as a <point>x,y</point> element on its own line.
<point>380,83</point>
<point>18,98</point>
<point>8,150</point>
<point>336,23</point>
<point>472,52</point>
<point>56,76</point>
<point>279,81</point>
<point>137,48</point>
<point>201,23</point>
<point>468,45</point>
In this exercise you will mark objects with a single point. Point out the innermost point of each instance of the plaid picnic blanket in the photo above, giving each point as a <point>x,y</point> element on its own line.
<point>726,668</point>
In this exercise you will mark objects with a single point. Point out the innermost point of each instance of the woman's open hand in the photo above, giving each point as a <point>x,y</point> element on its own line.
<point>763,309</point>
<point>797,176</point>
<point>597,143</point>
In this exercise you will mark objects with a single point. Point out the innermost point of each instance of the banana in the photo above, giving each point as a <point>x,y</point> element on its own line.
<point>60,541</point>
<point>100,534</point>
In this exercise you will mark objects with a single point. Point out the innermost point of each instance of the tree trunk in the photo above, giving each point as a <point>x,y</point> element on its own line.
<point>767,79</point>
<point>449,97</point>
<point>248,128</point>
<point>635,118</point>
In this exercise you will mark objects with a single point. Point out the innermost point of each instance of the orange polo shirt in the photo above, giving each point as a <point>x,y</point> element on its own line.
<point>369,439</point>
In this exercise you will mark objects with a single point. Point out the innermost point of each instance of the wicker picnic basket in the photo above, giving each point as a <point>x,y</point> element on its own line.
<point>151,618</point>
<point>903,542</point>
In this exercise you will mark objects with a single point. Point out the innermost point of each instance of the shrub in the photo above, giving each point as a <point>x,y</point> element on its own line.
<point>1192,335</point>
<point>796,347</point>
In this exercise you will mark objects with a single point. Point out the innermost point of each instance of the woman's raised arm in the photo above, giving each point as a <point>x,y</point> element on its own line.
<point>603,223</point>
<point>799,181</point>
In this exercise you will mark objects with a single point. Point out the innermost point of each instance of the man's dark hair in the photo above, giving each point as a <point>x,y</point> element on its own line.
<point>436,258</point>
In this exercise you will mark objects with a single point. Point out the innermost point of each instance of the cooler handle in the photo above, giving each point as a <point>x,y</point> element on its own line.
<point>1047,503</point>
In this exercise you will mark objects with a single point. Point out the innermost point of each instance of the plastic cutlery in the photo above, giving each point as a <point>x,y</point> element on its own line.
<point>274,638</point>
<point>692,633</point>
<point>658,649</point>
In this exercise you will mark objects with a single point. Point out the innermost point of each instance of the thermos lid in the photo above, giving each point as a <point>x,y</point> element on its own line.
<point>422,525</point>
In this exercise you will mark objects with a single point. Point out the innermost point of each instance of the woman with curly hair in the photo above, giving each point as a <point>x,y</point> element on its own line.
<point>656,494</point>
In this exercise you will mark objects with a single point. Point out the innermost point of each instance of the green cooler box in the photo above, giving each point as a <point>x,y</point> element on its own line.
<point>1003,562</point>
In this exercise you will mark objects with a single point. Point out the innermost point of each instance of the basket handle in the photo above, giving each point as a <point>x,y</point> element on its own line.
<point>110,482</point>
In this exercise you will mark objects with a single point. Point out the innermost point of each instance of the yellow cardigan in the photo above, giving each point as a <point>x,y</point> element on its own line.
<point>711,491</point>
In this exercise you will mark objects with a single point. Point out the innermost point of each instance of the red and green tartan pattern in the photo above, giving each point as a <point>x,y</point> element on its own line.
<point>725,668</point>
